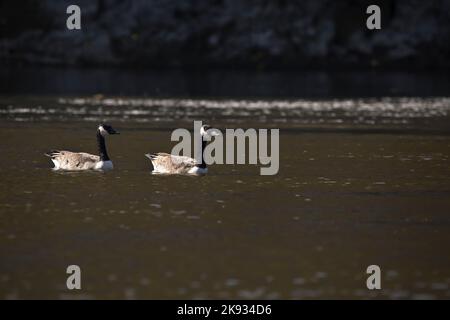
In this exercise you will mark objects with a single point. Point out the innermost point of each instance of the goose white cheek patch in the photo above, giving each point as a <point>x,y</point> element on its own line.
<point>103,132</point>
<point>214,147</point>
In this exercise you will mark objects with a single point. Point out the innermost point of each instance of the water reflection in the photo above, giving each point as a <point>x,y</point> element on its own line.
<point>220,83</point>
<point>340,202</point>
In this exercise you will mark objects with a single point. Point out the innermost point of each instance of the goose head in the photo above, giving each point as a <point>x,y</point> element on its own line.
<point>207,131</point>
<point>106,129</point>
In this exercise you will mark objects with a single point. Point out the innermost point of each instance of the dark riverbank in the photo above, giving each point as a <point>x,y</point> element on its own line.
<point>225,33</point>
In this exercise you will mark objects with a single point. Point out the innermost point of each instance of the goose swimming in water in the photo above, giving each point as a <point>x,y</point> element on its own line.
<point>75,161</point>
<point>171,164</point>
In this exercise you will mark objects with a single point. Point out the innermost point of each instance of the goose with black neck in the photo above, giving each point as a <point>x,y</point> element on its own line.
<point>166,163</point>
<point>77,161</point>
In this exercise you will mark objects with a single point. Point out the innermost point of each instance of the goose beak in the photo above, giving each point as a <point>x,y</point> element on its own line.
<point>215,132</point>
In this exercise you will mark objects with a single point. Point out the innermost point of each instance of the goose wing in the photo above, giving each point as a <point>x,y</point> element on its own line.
<point>167,163</point>
<point>67,160</point>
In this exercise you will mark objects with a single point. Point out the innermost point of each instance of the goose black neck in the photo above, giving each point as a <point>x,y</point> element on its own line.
<point>102,147</point>
<point>202,164</point>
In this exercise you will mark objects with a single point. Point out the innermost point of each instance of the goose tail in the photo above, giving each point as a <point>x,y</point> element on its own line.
<point>52,153</point>
<point>151,156</point>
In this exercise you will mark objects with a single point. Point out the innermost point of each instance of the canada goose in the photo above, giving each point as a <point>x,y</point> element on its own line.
<point>66,160</point>
<point>171,164</point>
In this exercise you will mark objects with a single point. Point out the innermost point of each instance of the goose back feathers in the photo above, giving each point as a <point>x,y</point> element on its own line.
<point>171,164</point>
<point>76,161</point>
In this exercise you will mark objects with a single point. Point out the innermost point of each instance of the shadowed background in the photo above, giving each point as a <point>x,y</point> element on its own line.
<point>227,33</point>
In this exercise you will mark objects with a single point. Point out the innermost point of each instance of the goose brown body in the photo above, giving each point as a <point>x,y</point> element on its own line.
<point>67,160</point>
<point>76,161</point>
<point>171,164</point>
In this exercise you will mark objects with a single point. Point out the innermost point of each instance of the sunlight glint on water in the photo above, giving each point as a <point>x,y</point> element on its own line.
<point>341,201</point>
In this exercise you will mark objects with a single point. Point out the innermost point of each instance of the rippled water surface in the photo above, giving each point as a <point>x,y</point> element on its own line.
<point>361,182</point>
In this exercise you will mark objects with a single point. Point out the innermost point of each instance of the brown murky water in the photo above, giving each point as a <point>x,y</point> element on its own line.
<point>343,200</point>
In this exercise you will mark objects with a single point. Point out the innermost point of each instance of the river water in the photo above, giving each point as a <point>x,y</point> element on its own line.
<point>363,180</point>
